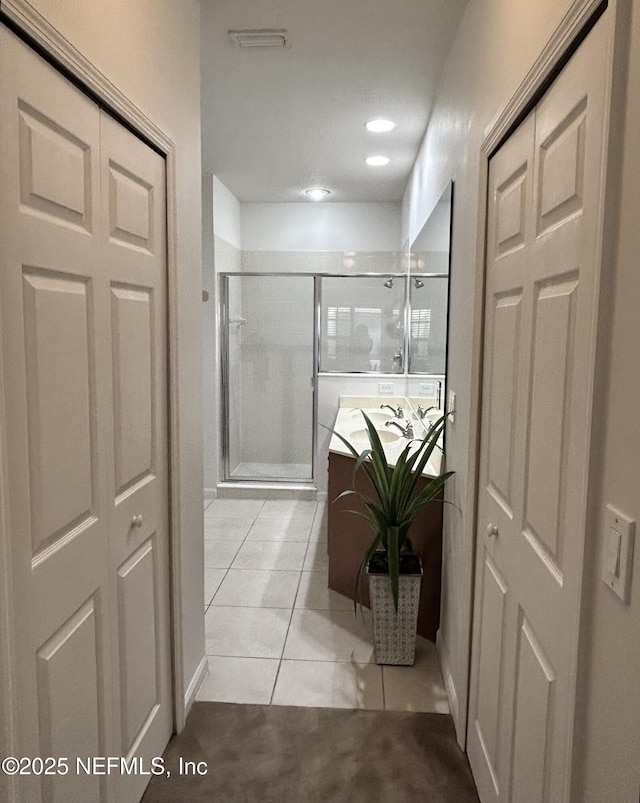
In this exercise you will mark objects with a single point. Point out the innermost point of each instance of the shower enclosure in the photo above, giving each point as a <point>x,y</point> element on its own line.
<point>280,331</point>
<point>268,357</point>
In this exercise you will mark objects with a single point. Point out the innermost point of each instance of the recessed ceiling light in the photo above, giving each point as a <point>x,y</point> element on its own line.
<point>377,161</point>
<point>380,126</point>
<point>317,193</point>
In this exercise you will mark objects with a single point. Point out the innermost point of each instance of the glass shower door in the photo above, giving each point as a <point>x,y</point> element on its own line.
<point>268,378</point>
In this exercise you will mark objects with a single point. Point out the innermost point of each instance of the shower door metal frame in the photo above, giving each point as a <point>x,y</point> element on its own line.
<point>317,320</point>
<point>224,380</point>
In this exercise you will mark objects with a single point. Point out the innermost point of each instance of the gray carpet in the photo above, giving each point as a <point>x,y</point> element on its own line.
<point>269,754</point>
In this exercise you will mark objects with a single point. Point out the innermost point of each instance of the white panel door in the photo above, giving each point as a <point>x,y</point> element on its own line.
<point>133,274</point>
<point>82,321</point>
<point>540,328</point>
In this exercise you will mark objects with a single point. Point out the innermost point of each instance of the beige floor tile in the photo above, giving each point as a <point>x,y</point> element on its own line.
<point>314,594</point>
<point>272,529</point>
<point>328,684</point>
<point>285,555</point>
<point>288,508</point>
<point>223,528</point>
<point>212,580</point>
<point>316,559</point>
<point>328,636</point>
<point>239,680</point>
<point>220,554</point>
<point>246,632</point>
<point>418,687</point>
<point>318,533</point>
<point>234,508</point>
<point>321,519</point>
<point>258,589</point>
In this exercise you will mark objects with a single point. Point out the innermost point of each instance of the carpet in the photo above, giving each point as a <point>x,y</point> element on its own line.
<point>277,754</point>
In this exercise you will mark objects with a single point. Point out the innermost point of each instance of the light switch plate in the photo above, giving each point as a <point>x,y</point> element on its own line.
<point>451,406</point>
<point>385,388</point>
<point>617,559</point>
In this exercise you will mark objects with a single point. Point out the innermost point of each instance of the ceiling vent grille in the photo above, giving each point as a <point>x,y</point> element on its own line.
<point>263,37</point>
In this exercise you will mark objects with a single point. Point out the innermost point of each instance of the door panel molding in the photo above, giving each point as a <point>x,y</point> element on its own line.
<point>42,141</point>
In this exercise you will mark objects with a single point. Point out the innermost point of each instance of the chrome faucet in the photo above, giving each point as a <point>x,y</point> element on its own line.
<point>406,431</point>
<point>399,413</point>
<point>422,413</point>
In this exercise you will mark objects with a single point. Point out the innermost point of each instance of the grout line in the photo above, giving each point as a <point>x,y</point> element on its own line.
<point>275,681</point>
<point>284,643</point>
<point>223,568</point>
<point>252,569</point>
<point>254,607</point>
<point>252,657</point>
<point>384,696</point>
<point>295,599</point>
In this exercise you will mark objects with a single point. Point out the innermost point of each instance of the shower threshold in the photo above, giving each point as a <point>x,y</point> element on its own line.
<point>272,472</point>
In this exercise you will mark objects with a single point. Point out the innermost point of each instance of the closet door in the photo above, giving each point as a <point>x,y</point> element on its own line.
<point>134,353</point>
<point>545,187</point>
<point>88,590</point>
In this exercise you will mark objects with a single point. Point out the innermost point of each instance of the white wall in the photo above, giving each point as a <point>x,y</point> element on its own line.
<point>150,51</point>
<point>226,214</point>
<point>321,226</point>
<point>209,341</point>
<point>221,237</point>
<point>607,756</point>
<point>496,45</point>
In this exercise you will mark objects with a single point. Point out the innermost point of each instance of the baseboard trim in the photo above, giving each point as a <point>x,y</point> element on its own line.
<point>195,685</point>
<point>450,687</point>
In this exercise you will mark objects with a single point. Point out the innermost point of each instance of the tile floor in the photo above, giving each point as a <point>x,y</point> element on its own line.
<point>275,634</point>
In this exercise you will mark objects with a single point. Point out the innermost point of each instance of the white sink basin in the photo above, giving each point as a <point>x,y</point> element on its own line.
<point>360,437</point>
<point>376,416</point>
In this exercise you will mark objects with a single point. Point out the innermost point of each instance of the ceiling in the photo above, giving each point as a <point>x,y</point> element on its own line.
<point>279,120</point>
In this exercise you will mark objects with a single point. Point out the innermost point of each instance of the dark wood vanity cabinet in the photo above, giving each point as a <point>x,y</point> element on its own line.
<point>349,536</point>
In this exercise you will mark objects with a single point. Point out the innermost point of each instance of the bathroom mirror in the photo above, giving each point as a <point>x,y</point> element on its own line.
<point>362,324</point>
<point>429,291</point>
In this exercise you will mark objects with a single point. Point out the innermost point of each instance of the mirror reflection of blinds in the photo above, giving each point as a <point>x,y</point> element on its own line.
<point>420,324</point>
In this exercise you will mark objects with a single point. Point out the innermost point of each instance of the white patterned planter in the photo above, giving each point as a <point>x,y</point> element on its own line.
<point>395,634</point>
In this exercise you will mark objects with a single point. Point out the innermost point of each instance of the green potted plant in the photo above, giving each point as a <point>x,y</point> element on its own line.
<point>394,569</point>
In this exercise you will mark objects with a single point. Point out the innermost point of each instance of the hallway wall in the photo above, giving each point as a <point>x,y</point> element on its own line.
<point>150,51</point>
<point>221,240</point>
<point>497,44</point>
<point>607,755</point>
<point>321,226</point>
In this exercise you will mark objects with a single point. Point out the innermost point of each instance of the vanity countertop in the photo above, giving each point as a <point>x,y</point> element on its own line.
<point>351,425</point>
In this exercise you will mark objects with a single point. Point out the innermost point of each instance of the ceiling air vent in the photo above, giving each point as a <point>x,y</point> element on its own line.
<point>263,37</point>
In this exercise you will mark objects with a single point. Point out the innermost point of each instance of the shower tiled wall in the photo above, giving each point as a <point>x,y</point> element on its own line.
<point>323,261</point>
